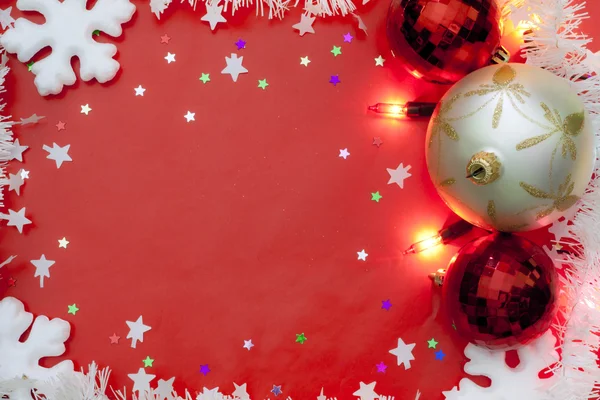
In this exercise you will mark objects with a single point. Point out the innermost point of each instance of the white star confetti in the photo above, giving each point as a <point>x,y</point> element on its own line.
<point>304,61</point>
<point>164,390</point>
<point>15,182</point>
<point>248,344</point>
<point>190,116</point>
<point>42,268</point>
<point>379,61</point>
<point>141,381</point>
<point>58,154</point>
<point>34,119</point>
<point>5,19</point>
<point>366,392</point>
<point>404,353</point>
<point>139,91</point>
<point>305,25</point>
<point>85,109</point>
<point>399,174</point>
<point>240,392</point>
<point>170,58</point>
<point>362,255</point>
<point>136,331</point>
<point>234,66</point>
<point>63,242</point>
<point>24,174</point>
<point>213,14</point>
<point>344,153</point>
<point>16,153</point>
<point>16,219</point>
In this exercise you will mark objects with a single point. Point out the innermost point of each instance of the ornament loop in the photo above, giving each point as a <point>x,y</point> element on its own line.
<point>483,168</point>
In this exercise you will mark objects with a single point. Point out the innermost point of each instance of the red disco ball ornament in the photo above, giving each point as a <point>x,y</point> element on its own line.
<point>501,291</point>
<point>444,40</point>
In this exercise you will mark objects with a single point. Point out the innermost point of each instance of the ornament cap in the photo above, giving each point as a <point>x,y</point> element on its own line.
<point>500,56</point>
<point>483,168</point>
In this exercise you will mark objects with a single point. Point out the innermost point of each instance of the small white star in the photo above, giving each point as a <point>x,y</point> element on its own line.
<point>63,242</point>
<point>399,174</point>
<point>304,61</point>
<point>170,58</point>
<point>24,174</point>
<point>362,255</point>
<point>85,109</point>
<point>141,381</point>
<point>366,392</point>
<point>248,344</point>
<point>15,182</point>
<point>42,268</point>
<point>16,153</point>
<point>404,353</point>
<point>344,153</point>
<point>240,392</point>
<point>136,331</point>
<point>16,219</point>
<point>58,154</point>
<point>305,25</point>
<point>234,66</point>
<point>5,19</point>
<point>189,116</point>
<point>379,61</point>
<point>139,91</point>
<point>213,14</point>
<point>164,389</point>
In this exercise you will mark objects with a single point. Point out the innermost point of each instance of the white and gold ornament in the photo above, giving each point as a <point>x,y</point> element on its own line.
<point>510,147</point>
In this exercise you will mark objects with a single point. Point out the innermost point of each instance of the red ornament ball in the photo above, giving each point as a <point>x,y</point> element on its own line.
<point>443,40</point>
<point>501,291</point>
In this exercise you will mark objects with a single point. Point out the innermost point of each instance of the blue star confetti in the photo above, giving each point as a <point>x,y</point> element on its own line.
<point>439,355</point>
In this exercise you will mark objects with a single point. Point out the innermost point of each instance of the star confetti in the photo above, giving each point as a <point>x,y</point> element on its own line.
<point>439,355</point>
<point>362,255</point>
<point>141,381</point>
<point>240,44</point>
<point>305,25</point>
<point>335,79</point>
<point>60,126</point>
<point>386,304</point>
<point>16,153</point>
<point>73,309</point>
<point>304,61</point>
<point>403,353</point>
<point>205,78</point>
<point>240,392</point>
<point>85,109</point>
<point>234,66</point>
<point>248,344</point>
<point>276,390</point>
<point>164,39</point>
<point>379,61</point>
<point>42,268</point>
<point>114,339</point>
<point>16,219</point>
<point>336,51</point>
<point>148,362</point>
<point>431,343</point>
<point>377,141</point>
<point>5,19</point>
<point>136,331</point>
<point>170,58</point>
<point>381,367</point>
<point>33,119</point>
<point>376,196</point>
<point>164,389</point>
<point>348,38</point>
<point>213,14</point>
<point>344,153</point>
<point>15,182</point>
<point>300,338</point>
<point>204,370</point>
<point>190,116</point>
<point>366,392</point>
<point>262,83</point>
<point>399,174</point>
<point>139,91</point>
<point>24,173</point>
<point>57,153</point>
<point>12,282</point>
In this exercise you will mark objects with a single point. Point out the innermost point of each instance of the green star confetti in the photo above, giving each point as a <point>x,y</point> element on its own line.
<point>205,78</point>
<point>73,309</point>
<point>336,51</point>
<point>30,66</point>
<point>262,83</point>
<point>148,362</point>
<point>96,32</point>
<point>376,196</point>
<point>431,343</point>
<point>300,338</point>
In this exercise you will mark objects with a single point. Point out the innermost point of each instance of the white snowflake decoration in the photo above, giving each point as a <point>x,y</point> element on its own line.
<point>508,383</point>
<point>68,30</point>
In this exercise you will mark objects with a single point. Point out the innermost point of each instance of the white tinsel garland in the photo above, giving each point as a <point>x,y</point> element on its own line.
<point>6,135</point>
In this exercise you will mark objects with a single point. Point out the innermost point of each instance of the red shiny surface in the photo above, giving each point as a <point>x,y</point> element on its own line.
<point>501,291</point>
<point>443,40</point>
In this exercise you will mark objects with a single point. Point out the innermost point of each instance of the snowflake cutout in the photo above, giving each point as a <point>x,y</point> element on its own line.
<point>46,339</point>
<point>68,30</point>
<point>508,383</point>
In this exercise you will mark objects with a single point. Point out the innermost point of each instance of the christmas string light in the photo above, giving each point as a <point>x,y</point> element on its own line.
<point>443,236</point>
<point>411,109</point>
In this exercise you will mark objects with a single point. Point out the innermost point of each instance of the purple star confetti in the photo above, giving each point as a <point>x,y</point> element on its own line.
<point>439,355</point>
<point>276,390</point>
<point>204,370</point>
<point>335,79</point>
<point>348,38</point>
<point>386,304</point>
<point>240,44</point>
<point>381,367</point>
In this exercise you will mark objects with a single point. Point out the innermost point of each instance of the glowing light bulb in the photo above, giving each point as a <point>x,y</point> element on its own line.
<point>410,109</point>
<point>444,236</point>
<point>424,244</point>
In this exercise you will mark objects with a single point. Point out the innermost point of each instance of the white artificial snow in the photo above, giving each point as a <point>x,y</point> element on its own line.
<point>68,30</point>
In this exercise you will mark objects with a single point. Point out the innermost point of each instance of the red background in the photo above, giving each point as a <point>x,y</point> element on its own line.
<point>245,223</point>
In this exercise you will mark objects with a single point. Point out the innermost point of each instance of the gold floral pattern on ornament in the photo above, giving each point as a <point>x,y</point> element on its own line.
<point>441,121</point>
<point>502,84</point>
<point>571,127</point>
<point>491,212</point>
<point>562,200</point>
